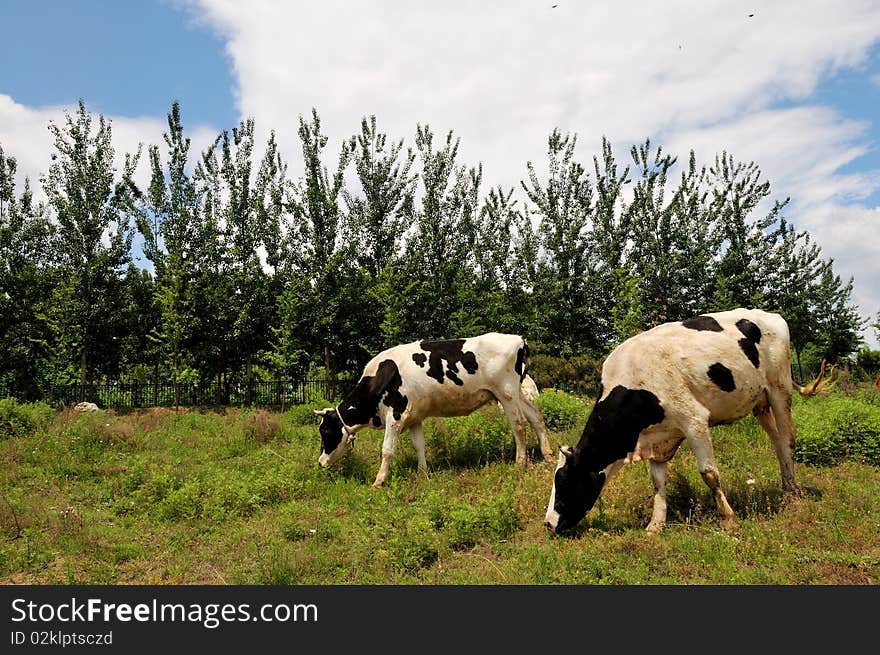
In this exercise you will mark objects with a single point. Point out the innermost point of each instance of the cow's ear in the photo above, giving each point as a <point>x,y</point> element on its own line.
<point>566,451</point>
<point>325,411</point>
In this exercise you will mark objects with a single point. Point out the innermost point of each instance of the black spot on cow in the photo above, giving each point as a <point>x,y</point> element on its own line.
<point>751,337</point>
<point>420,359</point>
<point>331,432</point>
<point>362,404</point>
<point>705,323</point>
<point>452,376</point>
<point>377,422</point>
<point>522,358</point>
<point>749,330</point>
<point>615,423</point>
<point>722,377</point>
<point>611,432</point>
<point>451,351</point>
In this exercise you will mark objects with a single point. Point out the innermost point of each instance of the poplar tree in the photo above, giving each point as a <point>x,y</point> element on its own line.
<point>564,207</point>
<point>168,225</point>
<point>437,254</point>
<point>93,207</point>
<point>377,218</point>
<point>320,305</point>
<point>26,281</point>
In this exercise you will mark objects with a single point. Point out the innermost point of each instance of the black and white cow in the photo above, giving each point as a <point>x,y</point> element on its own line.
<point>402,386</point>
<point>672,383</point>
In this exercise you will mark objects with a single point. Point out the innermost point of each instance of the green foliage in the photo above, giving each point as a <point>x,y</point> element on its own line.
<point>472,440</point>
<point>305,414</point>
<point>562,411</point>
<point>254,271</point>
<point>167,498</point>
<point>579,374</point>
<point>837,430</point>
<point>495,520</point>
<point>868,362</point>
<point>21,419</point>
<point>413,545</point>
<point>90,203</point>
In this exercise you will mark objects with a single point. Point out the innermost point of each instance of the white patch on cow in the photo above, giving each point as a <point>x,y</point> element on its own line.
<point>551,519</point>
<point>327,460</point>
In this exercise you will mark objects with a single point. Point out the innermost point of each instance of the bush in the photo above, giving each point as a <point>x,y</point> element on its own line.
<point>413,546</point>
<point>19,420</point>
<point>837,428</point>
<point>562,411</point>
<point>868,362</point>
<point>466,525</point>
<point>471,440</point>
<point>260,426</point>
<point>579,374</point>
<point>305,414</point>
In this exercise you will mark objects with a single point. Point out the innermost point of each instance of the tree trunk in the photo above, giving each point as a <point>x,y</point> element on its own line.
<point>331,374</point>
<point>156,382</point>
<point>249,377</point>
<point>83,367</point>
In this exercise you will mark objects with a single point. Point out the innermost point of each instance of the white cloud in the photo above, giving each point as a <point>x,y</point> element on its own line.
<point>502,74</point>
<point>24,134</point>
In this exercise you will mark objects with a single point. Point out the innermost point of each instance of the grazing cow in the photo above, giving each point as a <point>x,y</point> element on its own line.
<point>672,383</point>
<point>403,385</point>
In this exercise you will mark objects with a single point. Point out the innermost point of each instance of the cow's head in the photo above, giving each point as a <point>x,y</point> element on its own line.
<point>336,441</point>
<point>574,492</point>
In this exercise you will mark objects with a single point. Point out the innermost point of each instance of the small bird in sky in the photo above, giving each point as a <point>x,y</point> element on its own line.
<point>750,15</point>
<point>554,6</point>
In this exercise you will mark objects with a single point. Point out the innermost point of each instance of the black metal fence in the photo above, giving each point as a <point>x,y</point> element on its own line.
<point>116,395</point>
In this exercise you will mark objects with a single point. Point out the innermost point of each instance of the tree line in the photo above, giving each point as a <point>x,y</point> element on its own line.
<point>253,273</point>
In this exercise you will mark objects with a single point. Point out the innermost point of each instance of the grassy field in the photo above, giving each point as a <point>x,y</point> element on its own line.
<point>236,497</point>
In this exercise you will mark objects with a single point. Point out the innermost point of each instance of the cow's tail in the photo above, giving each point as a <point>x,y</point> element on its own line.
<point>822,384</point>
<point>524,360</point>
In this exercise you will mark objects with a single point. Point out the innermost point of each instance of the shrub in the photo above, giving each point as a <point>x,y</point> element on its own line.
<point>305,414</point>
<point>471,440</point>
<point>837,428</point>
<point>19,420</point>
<point>414,546</point>
<point>579,374</point>
<point>562,411</point>
<point>466,525</point>
<point>260,426</point>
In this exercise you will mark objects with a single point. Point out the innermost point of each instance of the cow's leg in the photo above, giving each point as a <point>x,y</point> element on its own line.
<point>389,445</point>
<point>701,443</point>
<point>517,419</point>
<point>417,435</point>
<point>536,420</point>
<point>781,430</point>
<point>658,516</point>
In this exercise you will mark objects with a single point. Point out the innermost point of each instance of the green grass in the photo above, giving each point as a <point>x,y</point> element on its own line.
<point>237,498</point>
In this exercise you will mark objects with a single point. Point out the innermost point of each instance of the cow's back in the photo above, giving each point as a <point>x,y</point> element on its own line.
<point>453,377</point>
<point>721,361</point>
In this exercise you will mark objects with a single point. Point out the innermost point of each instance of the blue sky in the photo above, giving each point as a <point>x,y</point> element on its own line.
<point>795,87</point>
<point>123,58</point>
